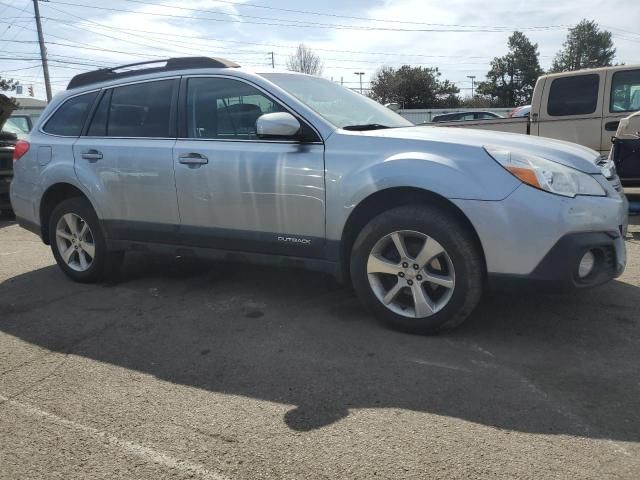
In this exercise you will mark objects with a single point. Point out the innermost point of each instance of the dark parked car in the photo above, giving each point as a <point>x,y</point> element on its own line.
<point>7,144</point>
<point>463,116</point>
<point>14,128</point>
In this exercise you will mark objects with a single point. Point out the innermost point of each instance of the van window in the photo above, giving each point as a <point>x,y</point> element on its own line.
<point>69,119</point>
<point>574,95</point>
<point>139,110</point>
<point>225,109</point>
<point>625,91</point>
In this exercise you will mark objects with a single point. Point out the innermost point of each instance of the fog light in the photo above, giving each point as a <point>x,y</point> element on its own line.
<point>587,263</point>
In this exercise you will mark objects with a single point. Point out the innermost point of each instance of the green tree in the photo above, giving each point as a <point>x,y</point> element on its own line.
<point>512,78</point>
<point>7,84</point>
<point>586,46</point>
<point>7,105</point>
<point>414,87</point>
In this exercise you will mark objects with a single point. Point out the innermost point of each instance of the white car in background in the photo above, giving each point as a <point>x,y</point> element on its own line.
<point>523,111</point>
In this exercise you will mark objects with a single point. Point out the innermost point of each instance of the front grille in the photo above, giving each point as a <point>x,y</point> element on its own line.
<point>609,259</point>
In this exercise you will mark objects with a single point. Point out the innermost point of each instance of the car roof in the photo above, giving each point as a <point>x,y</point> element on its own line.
<point>170,65</point>
<point>591,70</point>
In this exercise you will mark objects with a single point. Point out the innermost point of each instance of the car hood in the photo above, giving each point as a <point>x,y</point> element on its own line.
<point>565,153</point>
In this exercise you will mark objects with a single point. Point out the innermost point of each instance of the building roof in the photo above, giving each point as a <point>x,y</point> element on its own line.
<point>28,102</point>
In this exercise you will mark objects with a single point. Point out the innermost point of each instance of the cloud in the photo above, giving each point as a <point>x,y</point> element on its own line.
<point>229,29</point>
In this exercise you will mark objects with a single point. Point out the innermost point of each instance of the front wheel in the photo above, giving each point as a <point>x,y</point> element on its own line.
<point>418,268</point>
<point>77,242</point>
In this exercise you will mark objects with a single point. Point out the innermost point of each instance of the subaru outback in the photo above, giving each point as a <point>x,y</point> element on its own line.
<point>198,156</point>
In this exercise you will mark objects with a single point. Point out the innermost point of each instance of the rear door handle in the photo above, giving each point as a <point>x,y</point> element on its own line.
<point>92,155</point>
<point>193,159</point>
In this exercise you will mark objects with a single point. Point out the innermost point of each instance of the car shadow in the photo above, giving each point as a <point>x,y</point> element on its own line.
<point>552,364</point>
<point>6,220</point>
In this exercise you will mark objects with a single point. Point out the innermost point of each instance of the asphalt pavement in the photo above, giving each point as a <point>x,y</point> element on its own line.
<point>183,368</point>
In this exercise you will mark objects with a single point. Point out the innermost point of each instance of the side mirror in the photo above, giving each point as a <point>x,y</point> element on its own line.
<point>279,124</point>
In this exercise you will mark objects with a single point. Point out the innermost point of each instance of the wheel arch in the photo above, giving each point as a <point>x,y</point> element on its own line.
<point>389,198</point>
<point>52,196</point>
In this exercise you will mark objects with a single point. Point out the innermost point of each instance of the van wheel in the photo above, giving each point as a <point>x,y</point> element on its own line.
<point>418,268</point>
<point>77,242</point>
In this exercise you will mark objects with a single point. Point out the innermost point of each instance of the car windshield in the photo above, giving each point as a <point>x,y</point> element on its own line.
<point>17,125</point>
<point>341,106</point>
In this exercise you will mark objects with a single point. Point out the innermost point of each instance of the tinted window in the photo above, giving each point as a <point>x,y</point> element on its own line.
<point>225,109</point>
<point>69,118</point>
<point>576,95</point>
<point>98,127</point>
<point>625,92</point>
<point>140,110</point>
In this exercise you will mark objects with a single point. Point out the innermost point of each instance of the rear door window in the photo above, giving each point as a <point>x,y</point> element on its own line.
<point>574,95</point>
<point>141,110</point>
<point>69,119</point>
<point>625,91</point>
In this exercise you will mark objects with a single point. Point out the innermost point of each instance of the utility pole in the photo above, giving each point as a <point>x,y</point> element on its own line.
<point>43,51</point>
<point>273,60</point>
<point>472,77</point>
<point>360,74</point>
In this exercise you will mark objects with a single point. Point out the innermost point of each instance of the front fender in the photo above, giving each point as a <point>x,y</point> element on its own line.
<point>470,179</point>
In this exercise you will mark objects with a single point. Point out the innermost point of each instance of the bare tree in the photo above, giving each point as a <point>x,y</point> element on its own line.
<point>305,60</point>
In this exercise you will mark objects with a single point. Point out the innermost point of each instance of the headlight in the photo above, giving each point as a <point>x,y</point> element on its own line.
<point>545,174</point>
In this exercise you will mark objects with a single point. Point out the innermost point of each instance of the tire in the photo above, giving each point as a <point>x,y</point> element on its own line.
<point>416,304</point>
<point>76,212</point>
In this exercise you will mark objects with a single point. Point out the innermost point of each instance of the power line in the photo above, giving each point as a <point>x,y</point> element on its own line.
<point>298,24</point>
<point>307,12</point>
<point>332,15</point>
<point>138,33</point>
<point>188,47</point>
<point>11,24</point>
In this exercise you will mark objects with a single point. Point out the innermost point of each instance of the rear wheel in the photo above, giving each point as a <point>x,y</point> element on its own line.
<point>418,268</point>
<point>77,241</point>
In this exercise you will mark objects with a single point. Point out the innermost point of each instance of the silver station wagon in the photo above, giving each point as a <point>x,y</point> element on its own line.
<point>198,156</point>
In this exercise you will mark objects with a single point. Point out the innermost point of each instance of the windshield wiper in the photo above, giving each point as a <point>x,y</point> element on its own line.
<point>366,126</point>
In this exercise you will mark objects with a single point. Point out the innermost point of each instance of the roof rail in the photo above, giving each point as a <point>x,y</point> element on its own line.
<point>181,63</point>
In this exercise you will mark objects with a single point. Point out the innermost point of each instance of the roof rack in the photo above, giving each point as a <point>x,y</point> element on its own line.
<point>180,63</point>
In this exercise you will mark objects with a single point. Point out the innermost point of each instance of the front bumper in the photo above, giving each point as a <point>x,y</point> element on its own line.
<point>537,235</point>
<point>558,270</point>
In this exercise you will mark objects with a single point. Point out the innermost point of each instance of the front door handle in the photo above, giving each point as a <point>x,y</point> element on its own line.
<point>611,126</point>
<point>193,159</point>
<point>92,155</point>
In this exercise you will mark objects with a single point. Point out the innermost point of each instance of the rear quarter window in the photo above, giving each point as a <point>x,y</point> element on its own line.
<point>140,110</point>
<point>574,95</point>
<point>69,118</point>
<point>625,91</point>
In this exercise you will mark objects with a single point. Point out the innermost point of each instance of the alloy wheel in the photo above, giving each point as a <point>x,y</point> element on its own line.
<point>411,274</point>
<point>75,242</point>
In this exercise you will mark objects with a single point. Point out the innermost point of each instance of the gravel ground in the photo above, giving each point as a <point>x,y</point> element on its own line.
<point>189,369</point>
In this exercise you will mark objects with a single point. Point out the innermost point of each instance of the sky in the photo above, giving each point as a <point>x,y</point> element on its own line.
<point>460,37</point>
